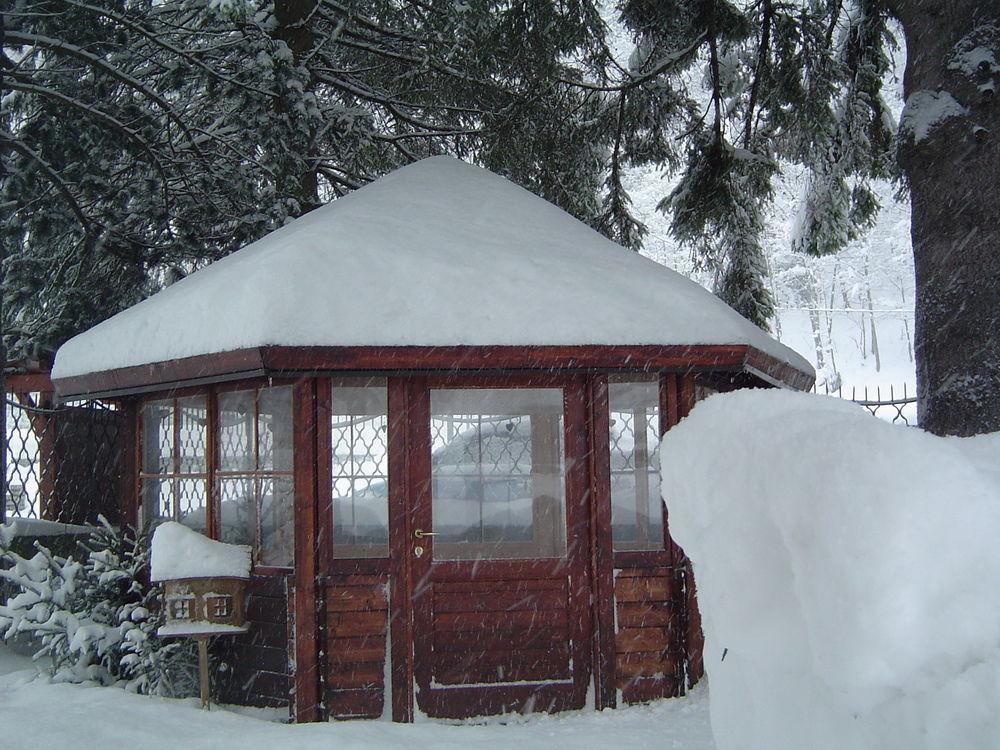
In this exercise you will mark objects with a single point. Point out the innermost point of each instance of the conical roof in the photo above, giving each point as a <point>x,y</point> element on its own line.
<point>437,253</point>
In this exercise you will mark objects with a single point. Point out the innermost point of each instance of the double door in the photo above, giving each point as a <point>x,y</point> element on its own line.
<point>458,574</point>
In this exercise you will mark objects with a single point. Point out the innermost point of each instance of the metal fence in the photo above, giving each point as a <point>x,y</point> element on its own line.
<point>63,463</point>
<point>898,408</point>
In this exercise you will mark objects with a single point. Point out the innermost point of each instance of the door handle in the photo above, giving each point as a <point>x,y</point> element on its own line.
<point>420,533</point>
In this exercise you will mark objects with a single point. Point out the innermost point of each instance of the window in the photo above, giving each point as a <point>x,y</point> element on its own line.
<point>180,608</point>
<point>636,507</point>
<point>497,473</point>
<point>254,472</point>
<point>218,606</point>
<point>174,469</point>
<point>359,462</point>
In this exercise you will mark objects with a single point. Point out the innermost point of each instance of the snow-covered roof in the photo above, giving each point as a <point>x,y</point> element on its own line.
<point>437,253</point>
<point>180,552</point>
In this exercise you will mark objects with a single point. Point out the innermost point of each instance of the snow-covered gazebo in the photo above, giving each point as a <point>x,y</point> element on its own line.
<point>430,407</point>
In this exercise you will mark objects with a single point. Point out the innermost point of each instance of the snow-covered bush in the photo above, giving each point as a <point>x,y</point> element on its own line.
<point>848,573</point>
<point>92,615</point>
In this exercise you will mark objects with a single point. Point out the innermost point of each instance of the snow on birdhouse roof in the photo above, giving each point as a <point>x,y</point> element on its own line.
<point>437,253</point>
<point>180,552</point>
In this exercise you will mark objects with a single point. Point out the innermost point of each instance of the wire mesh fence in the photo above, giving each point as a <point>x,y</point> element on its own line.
<point>63,462</point>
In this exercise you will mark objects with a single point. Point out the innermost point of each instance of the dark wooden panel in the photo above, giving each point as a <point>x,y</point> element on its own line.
<point>641,690</point>
<point>489,586</point>
<point>473,675</point>
<point>366,675</point>
<point>350,624</point>
<point>652,589</point>
<point>558,655</point>
<point>648,664</point>
<point>645,614</point>
<point>499,601</point>
<point>267,609</point>
<point>643,639</point>
<point>350,650</point>
<point>355,704</point>
<point>479,621</point>
<point>356,599</point>
<point>459,703</point>
<point>497,640</point>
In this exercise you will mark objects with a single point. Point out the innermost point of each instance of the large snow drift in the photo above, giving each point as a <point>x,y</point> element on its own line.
<point>436,253</point>
<point>848,574</point>
<point>180,552</point>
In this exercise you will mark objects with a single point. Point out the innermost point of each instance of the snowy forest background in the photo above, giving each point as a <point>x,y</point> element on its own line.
<point>851,313</point>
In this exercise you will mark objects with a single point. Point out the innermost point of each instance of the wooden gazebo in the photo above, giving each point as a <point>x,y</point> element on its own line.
<point>432,408</point>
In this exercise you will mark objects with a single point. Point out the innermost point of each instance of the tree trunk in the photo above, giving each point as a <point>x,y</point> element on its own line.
<point>955,230</point>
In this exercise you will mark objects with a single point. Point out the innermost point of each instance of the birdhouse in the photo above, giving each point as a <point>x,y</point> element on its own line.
<point>204,582</point>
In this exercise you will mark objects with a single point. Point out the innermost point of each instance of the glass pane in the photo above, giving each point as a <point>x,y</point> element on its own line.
<point>359,432</point>
<point>157,502</point>
<point>277,522</point>
<point>192,504</point>
<point>636,507</point>
<point>157,437</point>
<point>236,431</point>
<point>192,434</point>
<point>274,429</point>
<point>497,473</point>
<point>237,510</point>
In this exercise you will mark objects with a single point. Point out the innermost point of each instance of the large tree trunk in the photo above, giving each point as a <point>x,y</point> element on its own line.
<point>953,173</point>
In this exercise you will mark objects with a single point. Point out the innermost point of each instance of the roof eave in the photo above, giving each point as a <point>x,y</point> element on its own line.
<point>297,360</point>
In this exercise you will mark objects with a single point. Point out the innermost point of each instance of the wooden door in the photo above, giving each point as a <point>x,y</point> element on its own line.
<point>499,546</point>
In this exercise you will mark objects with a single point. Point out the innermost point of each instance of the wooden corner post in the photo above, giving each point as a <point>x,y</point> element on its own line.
<point>306,646</point>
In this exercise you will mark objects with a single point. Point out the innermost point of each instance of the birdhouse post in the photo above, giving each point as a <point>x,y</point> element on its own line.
<point>204,589</point>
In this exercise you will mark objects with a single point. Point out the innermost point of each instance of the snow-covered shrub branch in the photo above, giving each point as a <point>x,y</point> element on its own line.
<point>93,619</point>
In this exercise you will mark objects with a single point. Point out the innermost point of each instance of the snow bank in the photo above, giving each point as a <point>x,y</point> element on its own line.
<point>847,572</point>
<point>439,252</point>
<point>179,552</point>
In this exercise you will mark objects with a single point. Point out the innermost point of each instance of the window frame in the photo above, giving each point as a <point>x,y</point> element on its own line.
<point>212,496</point>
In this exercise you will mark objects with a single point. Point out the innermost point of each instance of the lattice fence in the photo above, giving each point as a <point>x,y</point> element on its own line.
<point>64,463</point>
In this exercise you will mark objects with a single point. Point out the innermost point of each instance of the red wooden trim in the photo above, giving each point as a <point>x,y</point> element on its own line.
<point>418,516</point>
<point>45,426</point>
<point>353,566</point>
<point>686,395</point>
<point>581,626</point>
<point>212,498</point>
<point>324,475</point>
<point>602,555</point>
<point>30,382</point>
<point>477,358</point>
<point>400,611</point>
<point>498,570</point>
<point>307,676</point>
<point>650,559</point>
<point>276,359</point>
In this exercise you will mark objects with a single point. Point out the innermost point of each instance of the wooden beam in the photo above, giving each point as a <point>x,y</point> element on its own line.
<point>307,677</point>
<point>602,552</point>
<point>400,613</point>
<point>275,360</point>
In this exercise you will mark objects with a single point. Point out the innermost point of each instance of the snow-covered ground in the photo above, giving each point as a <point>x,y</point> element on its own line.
<point>36,715</point>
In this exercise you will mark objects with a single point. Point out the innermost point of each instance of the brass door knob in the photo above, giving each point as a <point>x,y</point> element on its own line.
<point>420,533</point>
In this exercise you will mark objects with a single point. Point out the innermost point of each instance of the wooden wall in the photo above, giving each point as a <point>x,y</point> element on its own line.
<point>254,669</point>
<point>354,626</point>
<point>648,656</point>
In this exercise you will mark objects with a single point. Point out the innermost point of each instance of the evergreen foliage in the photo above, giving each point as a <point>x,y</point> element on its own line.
<point>93,618</point>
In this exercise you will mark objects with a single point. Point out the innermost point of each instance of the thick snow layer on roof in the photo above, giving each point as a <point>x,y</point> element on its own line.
<point>846,572</point>
<point>180,552</point>
<point>437,253</point>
